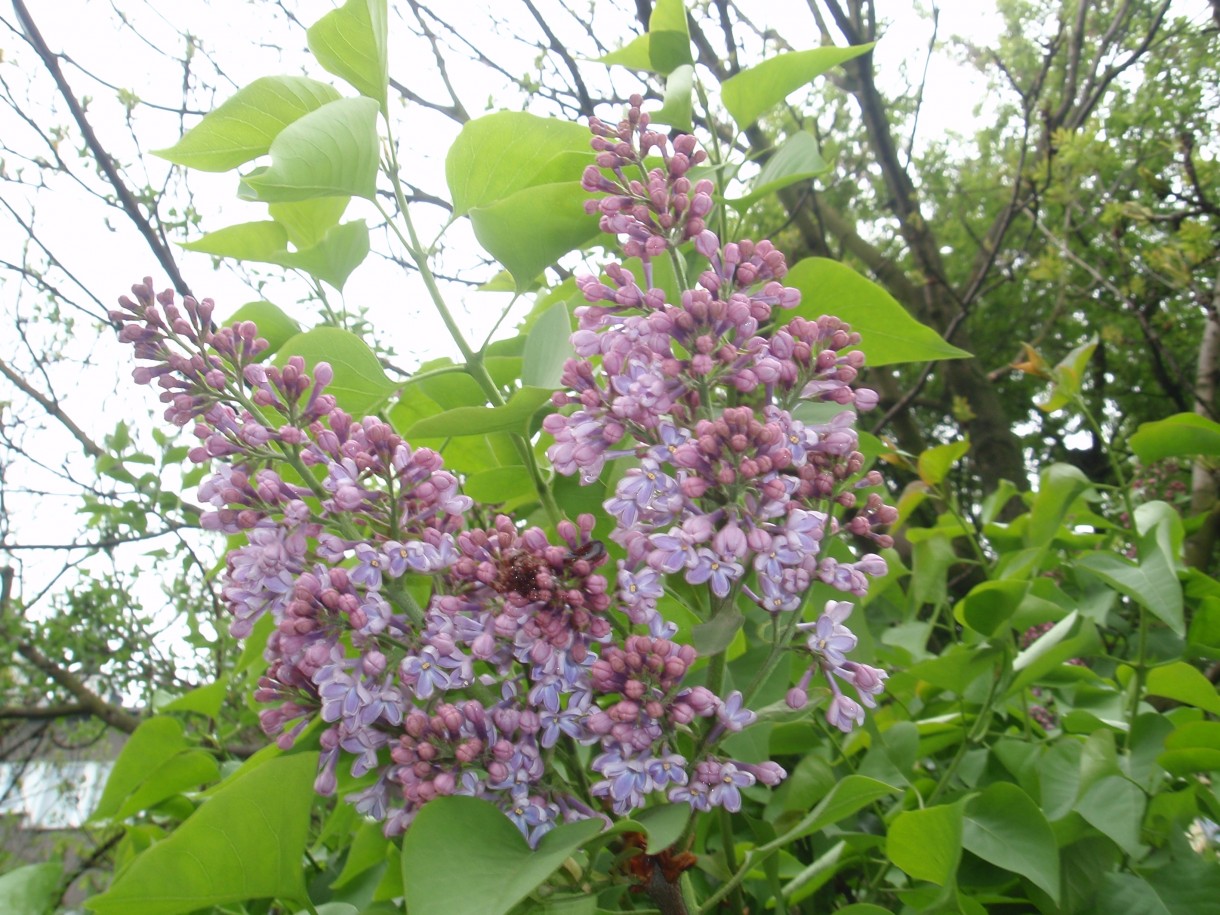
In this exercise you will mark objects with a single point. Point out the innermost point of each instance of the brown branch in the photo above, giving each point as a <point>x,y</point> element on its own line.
<point>53,408</point>
<point>41,712</point>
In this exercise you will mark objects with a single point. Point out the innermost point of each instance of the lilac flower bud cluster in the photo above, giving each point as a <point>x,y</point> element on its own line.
<point>515,657</point>
<point>728,487</point>
<point>661,207</point>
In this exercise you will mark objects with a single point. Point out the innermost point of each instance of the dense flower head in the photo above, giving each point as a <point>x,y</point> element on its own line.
<point>729,483</point>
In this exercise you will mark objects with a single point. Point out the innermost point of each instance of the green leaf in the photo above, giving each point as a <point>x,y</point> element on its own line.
<point>342,249</point>
<point>333,259</point>
<point>676,109</point>
<point>500,484</point>
<point>152,744</point>
<point>514,416</point>
<point>31,890</point>
<point>664,825</point>
<point>1073,636</point>
<point>927,843</point>
<point>499,154</point>
<point>756,89</point>
<point>1184,683</point>
<point>184,772</point>
<point>1188,886</point>
<point>530,229</point>
<point>1181,435</point>
<point>1151,583</point>
<point>1193,747</point>
<point>665,47</point>
<point>368,849</point>
<point>797,159</point>
<point>1058,487</point>
<point>206,699</point>
<point>350,42</point>
<point>1004,826</point>
<point>935,463</point>
<point>849,795</point>
<point>308,221</point>
<point>891,335</point>
<point>243,127</point>
<point>990,605</point>
<point>668,37</point>
<point>1068,376</point>
<point>245,842</point>
<point>547,348</point>
<point>497,868</point>
<point>634,55</point>
<point>330,152</point>
<point>360,385</point>
<point>273,325</point>
<point>1115,807</point>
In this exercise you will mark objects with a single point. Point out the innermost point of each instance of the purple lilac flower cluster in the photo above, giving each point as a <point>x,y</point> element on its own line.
<point>514,657</point>
<point>728,488</point>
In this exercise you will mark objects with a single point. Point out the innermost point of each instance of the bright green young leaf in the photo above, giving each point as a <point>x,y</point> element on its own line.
<point>891,335</point>
<point>927,843</point>
<point>499,154</point>
<point>360,384</point>
<point>273,325</point>
<point>990,604</point>
<point>330,152</point>
<point>1003,825</point>
<point>797,159</point>
<point>31,890</point>
<point>758,88</point>
<point>514,416</point>
<point>245,842</point>
<point>498,869</point>
<point>154,743</point>
<point>862,908</point>
<point>1181,435</point>
<point>308,221</point>
<point>1068,376</point>
<point>1151,582</point>
<point>547,348</point>
<point>935,463</point>
<point>532,228</point>
<point>1184,683</point>
<point>676,109</point>
<point>351,42</point>
<point>243,127</point>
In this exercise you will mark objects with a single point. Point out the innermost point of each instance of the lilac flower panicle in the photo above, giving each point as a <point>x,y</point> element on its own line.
<point>448,654</point>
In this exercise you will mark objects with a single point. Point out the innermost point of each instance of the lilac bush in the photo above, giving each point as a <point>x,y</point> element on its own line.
<point>441,656</point>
